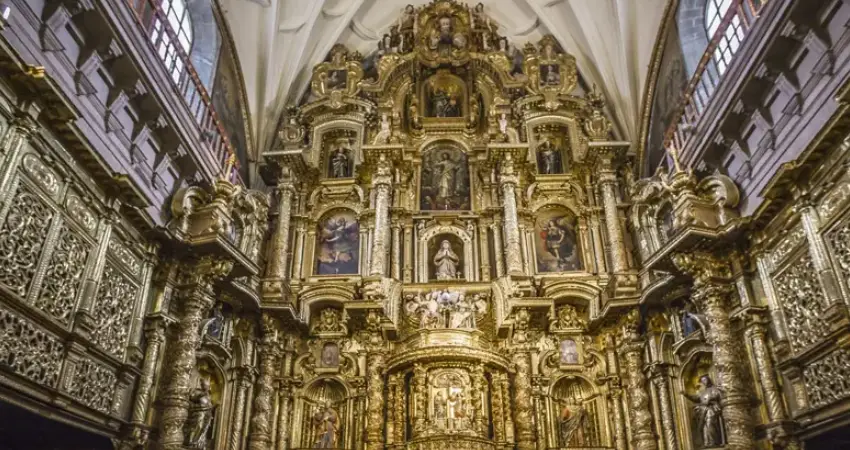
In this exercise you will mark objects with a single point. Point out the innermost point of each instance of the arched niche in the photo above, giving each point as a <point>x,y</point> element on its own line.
<point>338,243</point>
<point>444,96</point>
<point>697,364</point>
<point>324,408</point>
<point>431,241</point>
<point>577,414</point>
<point>444,183</point>
<point>557,240</point>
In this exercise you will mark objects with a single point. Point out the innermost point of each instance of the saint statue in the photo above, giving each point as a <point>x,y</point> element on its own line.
<point>200,416</point>
<point>439,405</point>
<point>446,262</point>
<point>572,417</point>
<point>341,163</point>
<point>325,424</point>
<point>550,159</point>
<point>708,413</point>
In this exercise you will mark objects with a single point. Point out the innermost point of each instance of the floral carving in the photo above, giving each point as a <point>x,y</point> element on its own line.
<point>80,213</point>
<point>788,244</point>
<point>828,380</point>
<point>41,174</point>
<point>29,351</point>
<point>62,279</point>
<point>22,239</point>
<point>92,385</point>
<point>112,311</point>
<point>802,302</point>
<point>124,255</point>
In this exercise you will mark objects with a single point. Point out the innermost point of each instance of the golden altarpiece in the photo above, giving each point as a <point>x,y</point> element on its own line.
<point>456,255</point>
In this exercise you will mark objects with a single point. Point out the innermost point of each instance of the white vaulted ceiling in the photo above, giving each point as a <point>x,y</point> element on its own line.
<point>279,41</point>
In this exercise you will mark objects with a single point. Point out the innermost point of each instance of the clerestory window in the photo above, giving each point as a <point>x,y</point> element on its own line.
<point>180,25</point>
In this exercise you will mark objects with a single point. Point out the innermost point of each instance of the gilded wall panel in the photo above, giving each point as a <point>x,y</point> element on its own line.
<point>92,384</point>
<point>112,311</point>
<point>29,351</point>
<point>22,239</point>
<point>828,380</point>
<point>802,300</point>
<point>839,241</point>
<point>63,276</point>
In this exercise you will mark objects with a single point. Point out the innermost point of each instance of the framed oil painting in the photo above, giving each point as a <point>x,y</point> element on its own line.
<point>444,96</point>
<point>445,180</point>
<point>338,244</point>
<point>558,248</point>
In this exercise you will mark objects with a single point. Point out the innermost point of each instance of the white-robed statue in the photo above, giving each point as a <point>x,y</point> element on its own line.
<point>446,262</point>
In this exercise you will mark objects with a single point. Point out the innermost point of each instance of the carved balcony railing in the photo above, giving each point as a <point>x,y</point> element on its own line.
<point>165,41</point>
<point>728,39</point>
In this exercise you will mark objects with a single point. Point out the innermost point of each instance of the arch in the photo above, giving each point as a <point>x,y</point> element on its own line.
<point>317,296</point>
<point>576,411</point>
<point>426,253</point>
<point>576,150</point>
<point>317,395</point>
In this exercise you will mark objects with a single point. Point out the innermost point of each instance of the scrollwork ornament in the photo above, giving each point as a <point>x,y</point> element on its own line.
<point>63,276</point>
<point>22,238</point>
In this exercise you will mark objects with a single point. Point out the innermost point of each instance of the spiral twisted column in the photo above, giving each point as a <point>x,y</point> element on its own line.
<point>661,379</point>
<point>525,436</point>
<point>260,437</point>
<point>375,402</point>
<point>640,414</point>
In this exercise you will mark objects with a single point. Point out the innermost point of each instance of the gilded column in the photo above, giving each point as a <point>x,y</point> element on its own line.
<point>242,380</point>
<point>621,441</point>
<point>523,419</point>
<point>298,252</point>
<point>640,415</point>
<point>513,253</point>
<point>479,389</point>
<point>408,253</point>
<point>260,437</point>
<point>399,407</point>
<point>277,257</point>
<point>375,402</point>
<point>381,183</point>
<point>771,394</point>
<point>608,186</point>
<point>420,398</point>
<point>484,244</point>
<point>392,387</point>
<point>154,337</point>
<point>396,260</point>
<point>661,379</point>
<point>285,398</point>
<point>498,410</point>
<point>195,289</point>
<point>498,249</point>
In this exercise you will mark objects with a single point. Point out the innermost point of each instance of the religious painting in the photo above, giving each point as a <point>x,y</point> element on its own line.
<point>330,355</point>
<point>337,79</point>
<point>341,159</point>
<point>669,95</point>
<point>445,180</point>
<point>444,96</point>
<point>338,244</point>
<point>569,351</point>
<point>445,253</point>
<point>550,75</point>
<point>451,403</point>
<point>227,99</point>
<point>557,243</point>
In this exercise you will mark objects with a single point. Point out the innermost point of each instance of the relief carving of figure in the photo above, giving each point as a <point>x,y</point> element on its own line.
<point>326,425</point>
<point>200,416</point>
<point>708,413</point>
<point>446,262</point>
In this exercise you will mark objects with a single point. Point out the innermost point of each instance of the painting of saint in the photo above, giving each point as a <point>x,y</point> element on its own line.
<point>337,79</point>
<point>549,158</point>
<point>550,75</point>
<point>445,180</point>
<point>569,352</point>
<point>444,96</point>
<point>557,242</point>
<point>330,355</point>
<point>338,244</point>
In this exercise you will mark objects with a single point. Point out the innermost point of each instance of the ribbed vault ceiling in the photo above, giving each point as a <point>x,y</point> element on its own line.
<point>279,41</point>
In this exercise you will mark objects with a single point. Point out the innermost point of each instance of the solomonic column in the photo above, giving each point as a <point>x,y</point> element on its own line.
<point>260,437</point>
<point>711,292</point>
<point>196,294</point>
<point>640,414</point>
<point>375,404</point>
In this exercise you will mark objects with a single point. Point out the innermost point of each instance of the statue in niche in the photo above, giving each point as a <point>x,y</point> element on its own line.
<point>549,158</point>
<point>200,415</point>
<point>443,39</point>
<point>558,249</point>
<point>444,101</point>
<point>213,326</point>
<point>326,425</point>
<point>445,180</point>
<point>338,244</point>
<point>446,262</point>
<point>691,320</point>
<point>340,160</point>
<point>708,413</point>
<point>570,422</point>
<point>439,406</point>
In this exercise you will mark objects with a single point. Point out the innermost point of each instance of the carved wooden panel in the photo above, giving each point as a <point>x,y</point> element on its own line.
<point>802,300</point>
<point>29,351</point>
<point>92,384</point>
<point>22,239</point>
<point>828,380</point>
<point>63,276</point>
<point>112,311</point>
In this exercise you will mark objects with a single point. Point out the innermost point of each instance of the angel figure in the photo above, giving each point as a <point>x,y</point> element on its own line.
<point>338,245</point>
<point>560,243</point>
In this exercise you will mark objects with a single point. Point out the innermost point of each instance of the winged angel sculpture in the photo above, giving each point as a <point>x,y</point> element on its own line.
<point>446,309</point>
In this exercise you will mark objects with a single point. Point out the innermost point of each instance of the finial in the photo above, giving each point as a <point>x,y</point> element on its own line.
<point>671,150</point>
